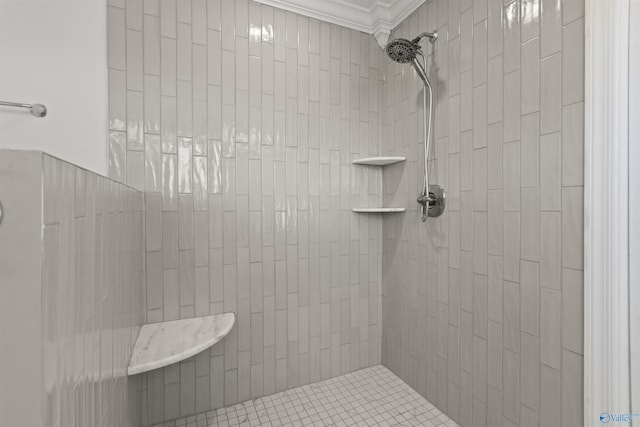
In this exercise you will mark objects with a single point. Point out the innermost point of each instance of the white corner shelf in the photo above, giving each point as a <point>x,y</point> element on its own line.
<point>378,161</point>
<point>378,210</point>
<point>161,344</point>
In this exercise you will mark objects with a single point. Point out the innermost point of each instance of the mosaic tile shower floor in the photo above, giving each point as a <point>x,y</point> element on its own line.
<point>368,397</point>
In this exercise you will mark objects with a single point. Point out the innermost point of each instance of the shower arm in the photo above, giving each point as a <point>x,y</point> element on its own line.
<point>432,37</point>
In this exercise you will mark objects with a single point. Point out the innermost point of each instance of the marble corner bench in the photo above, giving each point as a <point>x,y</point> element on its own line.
<point>161,344</point>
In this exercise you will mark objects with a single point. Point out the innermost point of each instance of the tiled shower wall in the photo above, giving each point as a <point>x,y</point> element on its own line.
<point>72,294</point>
<point>92,297</point>
<point>240,121</point>
<point>482,307</point>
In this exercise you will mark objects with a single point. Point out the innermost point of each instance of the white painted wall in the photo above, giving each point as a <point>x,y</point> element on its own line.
<point>634,205</point>
<point>609,184</point>
<point>54,52</point>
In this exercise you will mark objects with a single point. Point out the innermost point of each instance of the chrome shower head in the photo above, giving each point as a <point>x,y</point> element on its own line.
<point>402,51</point>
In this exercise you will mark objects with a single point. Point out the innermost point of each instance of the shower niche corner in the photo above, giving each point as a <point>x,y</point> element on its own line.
<point>379,161</point>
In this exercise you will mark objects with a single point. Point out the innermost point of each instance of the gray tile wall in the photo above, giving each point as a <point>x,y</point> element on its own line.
<point>21,352</point>
<point>72,251</point>
<point>482,307</point>
<point>92,297</point>
<point>239,121</point>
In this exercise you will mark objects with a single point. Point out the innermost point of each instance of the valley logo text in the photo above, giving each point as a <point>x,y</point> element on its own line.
<point>607,417</point>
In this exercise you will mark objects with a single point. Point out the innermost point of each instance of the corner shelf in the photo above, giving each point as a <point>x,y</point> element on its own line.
<point>161,344</point>
<point>378,210</point>
<point>378,161</point>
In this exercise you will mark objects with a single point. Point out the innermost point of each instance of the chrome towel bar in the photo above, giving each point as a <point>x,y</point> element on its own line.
<point>37,110</point>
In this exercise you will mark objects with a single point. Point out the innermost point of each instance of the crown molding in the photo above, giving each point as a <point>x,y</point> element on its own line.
<point>377,17</point>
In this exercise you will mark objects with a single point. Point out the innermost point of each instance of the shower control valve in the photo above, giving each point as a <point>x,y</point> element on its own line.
<point>425,199</point>
<point>432,204</point>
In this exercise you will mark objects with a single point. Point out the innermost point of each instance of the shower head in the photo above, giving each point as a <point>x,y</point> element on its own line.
<point>405,51</point>
<point>402,51</point>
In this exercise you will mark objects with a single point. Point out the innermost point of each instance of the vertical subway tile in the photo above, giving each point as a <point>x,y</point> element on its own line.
<point>530,73</point>
<point>494,156</point>
<point>480,52</point>
<point>530,224</point>
<point>551,256</point>
<point>168,19</point>
<point>185,165</point>
<point>572,10</point>
<point>495,224</point>
<point>117,100</point>
<point>572,310</point>
<point>511,105</point>
<point>550,93</point>
<point>116,38</point>
<point>495,24</point>
<point>512,37</point>
<point>135,120</point>
<point>151,45</point>
<point>183,12</point>
<point>529,297</point>
<point>199,21</point>
<point>511,384</point>
<point>480,179</point>
<point>550,27</point>
<point>572,227</point>
<point>184,121</point>
<point>550,172</point>
<point>183,50</point>
<point>550,334</point>
<point>168,64</point>
<point>152,163</point>
<point>169,182</point>
<point>152,106</point>
<point>550,395</point>
<point>135,169</point>
<point>495,85</point>
<point>495,289</point>
<point>134,60</point>
<point>530,19</point>
<point>511,246</point>
<point>572,387</point>
<point>168,125</point>
<point>511,176</point>
<point>118,156</point>
<point>466,40</point>
<point>511,317</point>
<point>134,10</point>
<point>494,356</point>
<point>480,116</point>
<point>530,371</point>
<point>573,144</point>
<point>480,242</point>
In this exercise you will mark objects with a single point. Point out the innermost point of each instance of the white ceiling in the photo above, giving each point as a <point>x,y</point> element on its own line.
<point>377,17</point>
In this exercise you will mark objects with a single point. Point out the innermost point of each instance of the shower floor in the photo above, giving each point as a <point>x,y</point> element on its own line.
<point>368,397</point>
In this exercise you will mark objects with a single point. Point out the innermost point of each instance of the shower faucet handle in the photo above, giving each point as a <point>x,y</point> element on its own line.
<point>432,204</point>
<point>425,199</point>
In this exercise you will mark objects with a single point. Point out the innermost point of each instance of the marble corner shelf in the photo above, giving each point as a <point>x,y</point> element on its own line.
<point>378,210</point>
<point>161,344</point>
<point>379,161</point>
